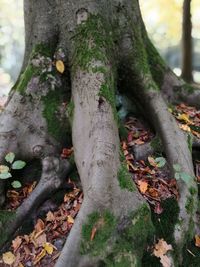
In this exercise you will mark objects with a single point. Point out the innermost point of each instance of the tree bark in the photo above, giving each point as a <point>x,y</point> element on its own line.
<point>187,42</point>
<point>103,45</point>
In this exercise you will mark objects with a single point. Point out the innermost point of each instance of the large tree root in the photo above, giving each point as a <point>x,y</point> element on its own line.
<point>53,176</point>
<point>111,201</point>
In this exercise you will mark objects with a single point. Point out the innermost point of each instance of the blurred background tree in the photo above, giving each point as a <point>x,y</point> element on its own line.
<point>11,42</point>
<point>163,19</point>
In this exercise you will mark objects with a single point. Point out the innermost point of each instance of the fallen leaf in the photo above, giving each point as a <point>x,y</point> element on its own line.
<point>60,66</point>
<point>39,256</point>
<point>49,248</point>
<point>8,258</point>
<point>94,230</point>
<point>197,240</point>
<point>143,186</point>
<point>50,217</point>
<point>165,261</point>
<point>152,162</point>
<point>16,243</point>
<point>161,248</point>
<point>185,127</point>
<point>70,219</point>
<point>184,117</point>
<point>39,226</point>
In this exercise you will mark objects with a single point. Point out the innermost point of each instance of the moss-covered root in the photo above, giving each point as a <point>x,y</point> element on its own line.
<point>53,176</point>
<point>180,159</point>
<point>104,239</point>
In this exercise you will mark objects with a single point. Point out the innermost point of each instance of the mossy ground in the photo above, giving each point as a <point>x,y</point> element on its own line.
<point>5,218</point>
<point>117,241</point>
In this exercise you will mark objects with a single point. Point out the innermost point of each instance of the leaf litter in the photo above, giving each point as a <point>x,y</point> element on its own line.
<point>43,245</point>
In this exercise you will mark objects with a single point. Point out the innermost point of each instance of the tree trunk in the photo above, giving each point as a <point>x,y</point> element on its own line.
<point>103,46</point>
<point>187,42</point>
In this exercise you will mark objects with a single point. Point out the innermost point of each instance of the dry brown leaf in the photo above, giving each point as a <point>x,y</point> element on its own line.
<point>94,230</point>
<point>197,240</point>
<point>60,66</point>
<point>161,248</point>
<point>152,162</point>
<point>165,261</point>
<point>70,219</point>
<point>143,185</point>
<point>185,127</point>
<point>50,217</point>
<point>8,258</point>
<point>39,256</point>
<point>40,240</point>
<point>16,243</point>
<point>39,226</point>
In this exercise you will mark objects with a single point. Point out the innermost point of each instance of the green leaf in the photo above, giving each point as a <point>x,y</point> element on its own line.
<point>5,175</point>
<point>4,169</point>
<point>177,167</point>
<point>10,157</point>
<point>185,177</point>
<point>18,164</point>
<point>160,162</point>
<point>195,128</point>
<point>16,184</point>
<point>177,175</point>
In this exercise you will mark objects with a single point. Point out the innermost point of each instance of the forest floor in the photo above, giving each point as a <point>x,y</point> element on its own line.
<point>52,222</point>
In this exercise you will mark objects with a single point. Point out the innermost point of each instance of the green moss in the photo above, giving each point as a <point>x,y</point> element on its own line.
<point>46,50</point>
<point>108,93</point>
<point>191,255</point>
<point>156,63</point>
<point>25,78</point>
<point>92,42</point>
<point>105,224</point>
<point>156,144</point>
<point>31,71</point>
<point>165,222</point>
<point>5,218</point>
<point>51,102</point>
<point>118,241</point>
<point>190,205</point>
<point>125,179</point>
<point>133,233</point>
<point>189,89</point>
<point>193,190</point>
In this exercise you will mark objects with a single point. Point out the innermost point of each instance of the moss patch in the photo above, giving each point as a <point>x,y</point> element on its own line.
<point>132,234</point>
<point>164,223</point>
<point>31,71</point>
<point>105,224</point>
<point>56,127</point>
<point>125,179</point>
<point>5,218</point>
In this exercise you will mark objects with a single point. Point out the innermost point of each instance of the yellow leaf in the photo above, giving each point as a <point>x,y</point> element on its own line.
<point>4,169</point>
<point>39,256</point>
<point>60,66</point>
<point>70,219</point>
<point>49,248</point>
<point>184,117</point>
<point>8,258</point>
<point>143,186</point>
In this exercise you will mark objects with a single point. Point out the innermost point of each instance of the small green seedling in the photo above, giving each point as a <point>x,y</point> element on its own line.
<point>181,175</point>
<point>5,171</point>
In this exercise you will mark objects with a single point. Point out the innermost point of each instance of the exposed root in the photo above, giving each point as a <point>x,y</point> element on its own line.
<point>53,176</point>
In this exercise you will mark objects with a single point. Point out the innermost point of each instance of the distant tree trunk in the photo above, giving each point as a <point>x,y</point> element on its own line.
<point>187,42</point>
<point>103,46</point>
